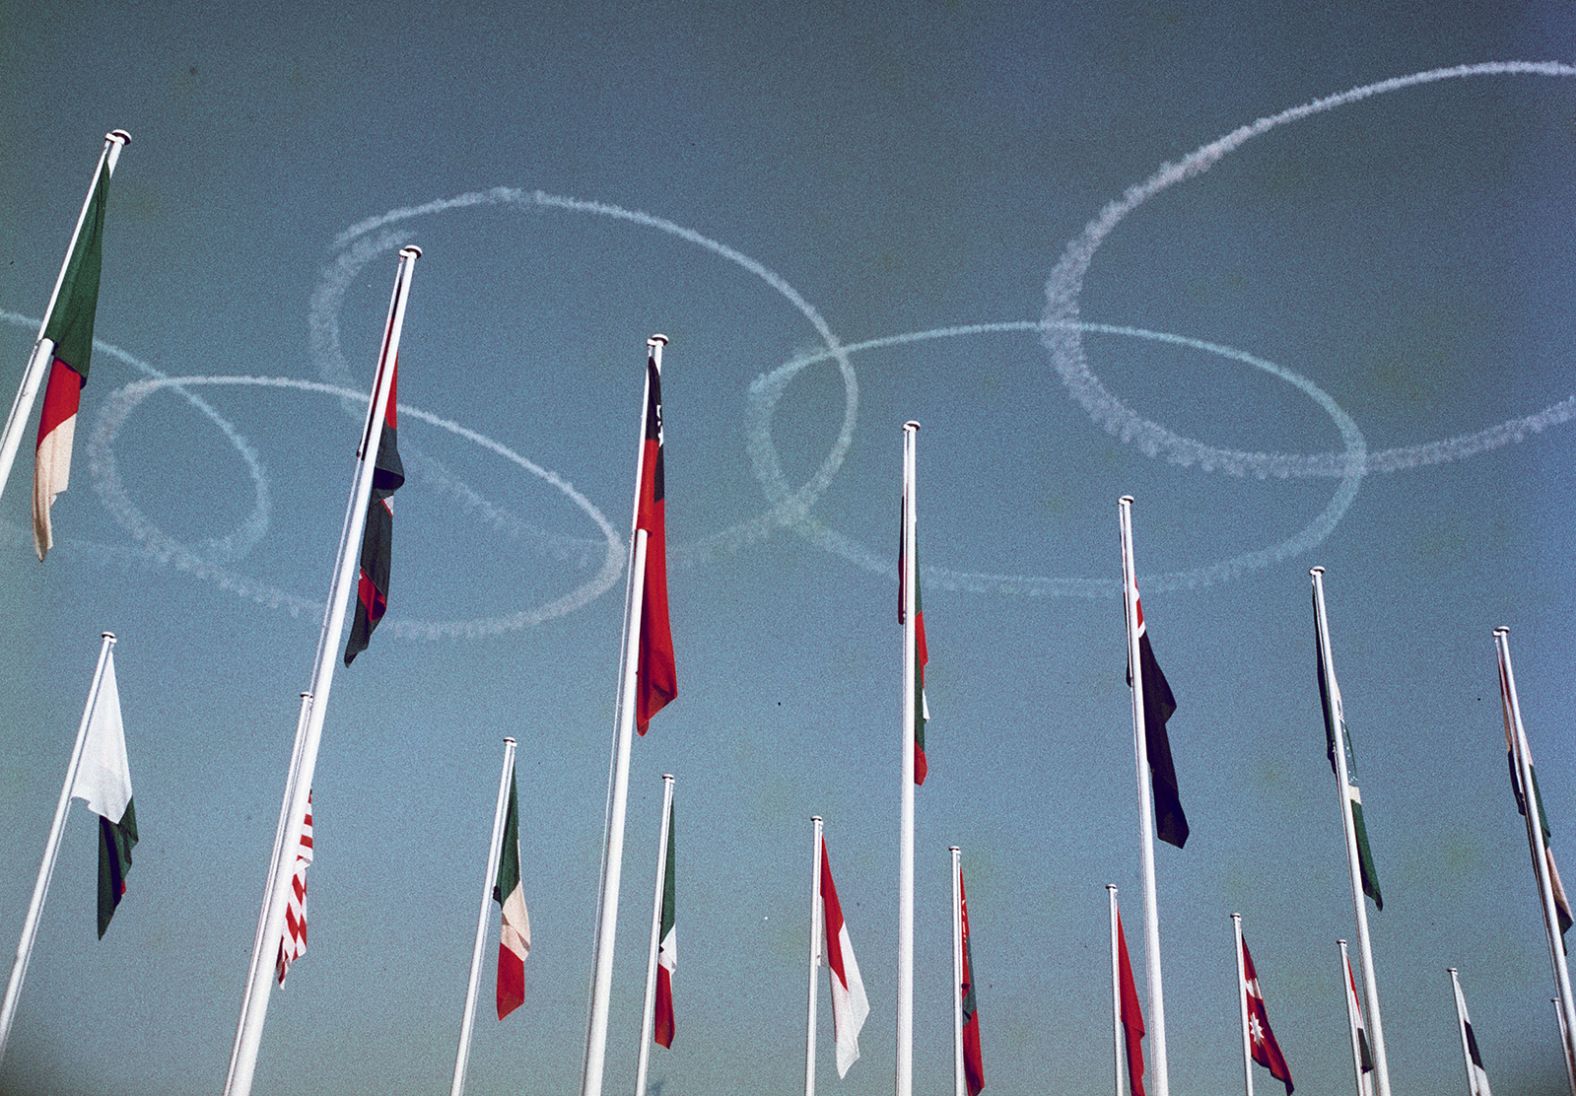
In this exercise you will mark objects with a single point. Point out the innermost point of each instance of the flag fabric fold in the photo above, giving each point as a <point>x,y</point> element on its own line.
<point>850,1006</point>
<point>1262,1043</point>
<point>973,1061</point>
<point>1562,905</point>
<point>667,949</point>
<point>921,649</point>
<point>292,945</point>
<point>103,782</point>
<point>656,676</point>
<point>514,923</point>
<point>1131,1013</point>
<point>1476,1074</point>
<point>377,537</point>
<point>1159,705</point>
<point>1359,1029</point>
<point>1354,795</point>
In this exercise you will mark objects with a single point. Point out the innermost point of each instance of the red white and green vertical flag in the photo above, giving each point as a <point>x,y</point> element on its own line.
<point>1159,706</point>
<point>292,945</point>
<point>667,950</point>
<point>1131,1013</point>
<point>377,538</point>
<point>1562,905</point>
<point>69,327</point>
<point>514,927</point>
<point>1261,1040</point>
<point>1354,795</point>
<point>656,676</point>
<point>973,1062</point>
<point>103,782</point>
<point>1365,1055</point>
<point>921,650</point>
<point>850,1006</point>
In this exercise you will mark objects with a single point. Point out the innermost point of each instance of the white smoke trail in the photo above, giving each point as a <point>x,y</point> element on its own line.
<point>1063,337</point>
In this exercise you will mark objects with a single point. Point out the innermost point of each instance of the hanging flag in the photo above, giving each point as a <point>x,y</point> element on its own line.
<point>1360,1029</point>
<point>103,782</point>
<point>973,1063</point>
<point>377,538</point>
<point>1476,1074</point>
<point>292,945</point>
<point>1354,795</point>
<point>514,925</point>
<point>1131,1015</point>
<point>1262,1044</point>
<point>656,677</point>
<point>921,649</point>
<point>850,1006</point>
<point>1159,705</point>
<point>70,328</point>
<point>667,951</point>
<point>1562,905</point>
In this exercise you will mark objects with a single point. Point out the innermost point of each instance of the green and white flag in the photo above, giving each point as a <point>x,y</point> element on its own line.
<point>103,782</point>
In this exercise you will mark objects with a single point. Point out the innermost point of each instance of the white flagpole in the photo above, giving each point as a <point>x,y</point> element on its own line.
<point>1461,1030</point>
<point>462,1057</point>
<point>904,1085</point>
<point>618,778</point>
<point>46,867</point>
<point>43,349</point>
<point>815,958</point>
<point>1242,1006</point>
<point>1146,831</point>
<point>1118,1047</point>
<point>649,1013</point>
<point>298,784</point>
<point>959,1086</point>
<point>1363,1088</point>
<point>1539,848</point>
<point>1336,719</point>
<point>1565,1045</point>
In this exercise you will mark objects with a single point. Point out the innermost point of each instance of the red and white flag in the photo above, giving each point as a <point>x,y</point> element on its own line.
<point>1261,1040</point>
<point>850,1006</point>
<point>293,944</point>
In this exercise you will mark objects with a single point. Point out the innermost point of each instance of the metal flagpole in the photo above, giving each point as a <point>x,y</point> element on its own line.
<point>648,1014</point>
<point>1348,995</point>
<point>1157,1007</point>
<point>1118,1049</point>
<point>1242,1006</point>
<point>298,785</point>
<point>904,1085</point>
<point>46,867</point>
<point>44,349</point>
<point>1570,1065</point>
<point>1461,1030</point>
<point>1336,718</point>
<point>958,1084</point>
<point>462,1057</point>
<point>815,958</point>
<point>1540,849</point>
<point>618,778</point>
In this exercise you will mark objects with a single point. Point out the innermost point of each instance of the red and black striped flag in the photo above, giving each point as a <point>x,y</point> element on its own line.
<point>377,538</point>
<point>656,678</point>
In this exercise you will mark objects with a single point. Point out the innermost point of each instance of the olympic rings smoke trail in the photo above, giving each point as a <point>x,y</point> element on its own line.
<point>1063,336</point>
<point>767,390</point>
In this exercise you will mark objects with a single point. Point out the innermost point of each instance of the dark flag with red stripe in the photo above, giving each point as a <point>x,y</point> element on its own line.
<point>377,538</point>
<point>1159,706</point>
<point>656,678</point>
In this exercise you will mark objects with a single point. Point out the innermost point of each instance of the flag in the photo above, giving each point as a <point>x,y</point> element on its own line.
<point>69,327</point>
<point>921,650</point>
<point>1131,1015</point>
<point>1354,795</point>
<point>667,950</point>
<point>656,678</point>
<point>1159,705</point>
<point>850,1006</point>
<point>973,1063</point>
<point>514,924</point>
<point>103,782</point>
<point>1265,1049</point>
<point>1359,1029</point>
<point>292,945</point>
<point>1562,905</point>
<point>1477,1075</point>
<point>377,537</point>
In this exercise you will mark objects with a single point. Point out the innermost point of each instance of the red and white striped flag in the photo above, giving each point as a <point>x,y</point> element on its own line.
<point>292,945</point>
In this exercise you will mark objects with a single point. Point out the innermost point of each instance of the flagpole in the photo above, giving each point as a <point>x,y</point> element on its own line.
<point>1337,720</point>
<point>298,784</point>
<point>1351,1020</point>
<point>1540,851</point>
<point>43,349</point>
<point>1157,1007</point>
<point>959,1087</point>
<point>468,1016</point>
<point>618,777</point>
<point>1461,1030</point>
<point>46,867</point>
<point>1117,1044</point>
<point>648,1014</point>
<point>1242,1006</point>
<point>815,957</point>
<point>904,1085</point>
<point>1570,1066</point>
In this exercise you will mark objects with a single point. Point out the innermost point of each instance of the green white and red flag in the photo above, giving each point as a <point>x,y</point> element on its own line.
<point>1337,736</point>
<point>973,1062</point>
<point>103,782</point>
<point>667,950</point>
<point>656,675</point>
<point>514,928</point>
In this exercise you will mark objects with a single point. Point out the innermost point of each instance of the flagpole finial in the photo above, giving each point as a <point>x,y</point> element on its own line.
<point>1317,569</point>
<point>816,818</point>
<point>911,424</point>
<point>667,778</point>
<point>120,136</point>
<point>1451,970</point>
<point>652,340</point>
<point>1125,500</point>
<point>1110,886</point>
<point>410,251</point>
<point>305,695</point>
<point>507,741</point>
<point>1502,630</point>
<point>107,635</point>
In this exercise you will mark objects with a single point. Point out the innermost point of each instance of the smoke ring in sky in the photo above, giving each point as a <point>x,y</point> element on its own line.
<point>1063,336</point>
<point>768,388</point>
<point>361,242</point>
<point>165,548</point>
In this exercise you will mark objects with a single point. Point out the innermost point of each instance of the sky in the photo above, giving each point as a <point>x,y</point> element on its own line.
<point>1333,338</point>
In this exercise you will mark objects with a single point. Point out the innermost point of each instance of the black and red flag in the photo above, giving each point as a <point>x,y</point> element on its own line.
<point>377,538</point>
<point>1159,705</point>
<point>656,678</point>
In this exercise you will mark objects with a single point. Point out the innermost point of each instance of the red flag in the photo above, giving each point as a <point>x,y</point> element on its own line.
<point>656,677</point>
<point>1131,1014</point>
<point>1261,1040</point>
<point>973,1062</point>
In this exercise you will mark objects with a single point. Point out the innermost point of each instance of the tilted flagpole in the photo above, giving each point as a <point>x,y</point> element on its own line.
<point>815,957</point>
<point>462,1057</point>
<point>1565,1041</point>
<point>1336,719</point>
<point>43,349</point>
<point>959,1085</point>
<point>1146,847</point>
<point>1461,1030</point>
<point>1242,1006</point>
<point>905,916</point>
<point>309,734</point>
<point>618,780</point>
<point>46,867</point>
<point>1351,1020</point>
<point>649,1012</point>
<point>1118,1044</point>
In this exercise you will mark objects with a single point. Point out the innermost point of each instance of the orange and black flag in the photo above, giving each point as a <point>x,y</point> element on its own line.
<point>377,538</point>
<point>656,678</point>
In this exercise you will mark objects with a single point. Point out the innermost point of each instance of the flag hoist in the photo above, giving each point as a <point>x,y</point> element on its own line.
<point>372,464</point>
<point>656,1019</point>
<point>647,681</point>
<point>829,939</point>
<point>1127,1015</point>
<point>1258,1039</point>
<point>1477,1076</point>
<point>1362,1053</point>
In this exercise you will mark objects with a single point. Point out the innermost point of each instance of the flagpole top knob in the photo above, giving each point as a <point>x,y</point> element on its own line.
<point>1125,500</point>
<point>668,777</point>
<point>1502,630</point>
<point>911,424</point>
<point>107,635</point>
<point>1342,941</point>
<point>1451,970</point>
<point>410,251</point>
<point>657,338</point>
<point>1110,886</point>
<point>1316,570</point>
<point>815,818</point>
<point>118,135</point>
<point>305,695</point>
<point>507,741</point>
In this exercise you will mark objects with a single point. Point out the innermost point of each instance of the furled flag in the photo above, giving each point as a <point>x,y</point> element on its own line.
<point>70,328</point>
<point>1159,705</point>
<point>973,1063</point>
<point>103,782</point>
<point>1354,795</point>
<point>1360,1029</point>
<point>667,951</point>
<point>1562,905</point>
<point>850,1006</point>
<point>377,538</point>
<point>514,926</point>
<point>1477,1075</point>
<point>292,945</point>
<point>656,678</point>
<point>921,650</point>
<point>1131,1015</point>
<point>1261,1040</point>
